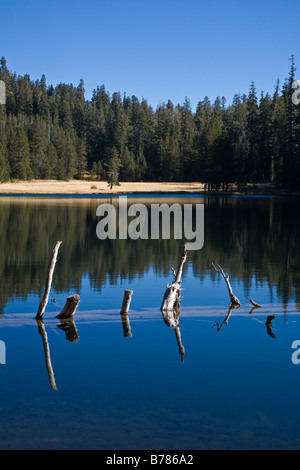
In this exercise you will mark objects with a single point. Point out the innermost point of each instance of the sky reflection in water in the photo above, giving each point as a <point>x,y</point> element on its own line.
<point>237,387</point>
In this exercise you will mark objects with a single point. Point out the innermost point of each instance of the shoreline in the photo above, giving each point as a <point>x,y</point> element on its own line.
<point>81,188</point>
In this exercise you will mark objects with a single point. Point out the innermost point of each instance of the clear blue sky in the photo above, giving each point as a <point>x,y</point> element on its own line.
<point>154,49</point>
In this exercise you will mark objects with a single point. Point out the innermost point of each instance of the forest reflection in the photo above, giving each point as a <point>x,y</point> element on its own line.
<point>257,237</point>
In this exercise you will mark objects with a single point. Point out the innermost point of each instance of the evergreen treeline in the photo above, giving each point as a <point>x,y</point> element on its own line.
<point>51,132</point>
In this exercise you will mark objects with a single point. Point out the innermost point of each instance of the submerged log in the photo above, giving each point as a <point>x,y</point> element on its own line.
<point>44,301</point>
<point>173,292</point>
<point>69,308</point>
<point>233,299</point>
<point>43,334</point>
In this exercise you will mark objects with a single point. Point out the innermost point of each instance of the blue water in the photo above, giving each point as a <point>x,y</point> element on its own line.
<point>236,388</point>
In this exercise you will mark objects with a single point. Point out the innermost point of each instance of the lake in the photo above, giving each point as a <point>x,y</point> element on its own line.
<point>224,380</point>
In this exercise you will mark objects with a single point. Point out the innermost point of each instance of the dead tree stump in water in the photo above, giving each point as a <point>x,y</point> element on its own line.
<point>69,308</point>
<point>173,292</point>
<point>124,313</point>
<point>44,301</point>
<point>126,301</point>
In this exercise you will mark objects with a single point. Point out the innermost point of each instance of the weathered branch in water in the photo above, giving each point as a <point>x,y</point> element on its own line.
<point>70,307</point>
<point>254,303</point>
<point>173,292</point>
<point>43,334</point>
<point>44,301</point>
<point>233,299</point>
<point>124,313</point>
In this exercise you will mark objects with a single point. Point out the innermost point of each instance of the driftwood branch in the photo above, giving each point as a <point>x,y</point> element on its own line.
<point>254,303</point>
<point>44,301</point>
<point>233,299</point>
<point>173,292</point>
<point>124,313</point>
<point>70,307</point>
<point>43,334</point>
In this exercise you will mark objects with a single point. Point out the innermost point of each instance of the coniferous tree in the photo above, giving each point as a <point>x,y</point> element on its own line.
<point>113,168</point>
<point>250,140</point>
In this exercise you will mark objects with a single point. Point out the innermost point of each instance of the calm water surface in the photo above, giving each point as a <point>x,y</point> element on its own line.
<point>128,385</point>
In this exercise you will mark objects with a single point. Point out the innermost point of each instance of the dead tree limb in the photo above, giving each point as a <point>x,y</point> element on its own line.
<point>43,334</point>
<point>254,303</point>
<point>70,307</point>
<point>44,301</point>
<point>233,299</point>
<point>173,292</point>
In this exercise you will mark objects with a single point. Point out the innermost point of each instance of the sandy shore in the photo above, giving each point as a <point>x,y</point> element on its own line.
<point>94,187</point>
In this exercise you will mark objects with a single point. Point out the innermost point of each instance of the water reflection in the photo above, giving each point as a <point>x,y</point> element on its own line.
<point>69,327</point>
<point>171,319</point>
<point>43,334</point>
<point>261,242</point>
<point>269,325</point>
<point>225,321</point>
<point>126,325</point>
